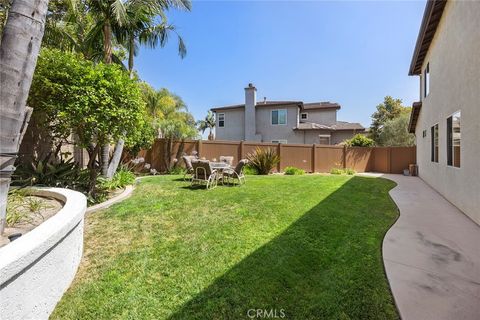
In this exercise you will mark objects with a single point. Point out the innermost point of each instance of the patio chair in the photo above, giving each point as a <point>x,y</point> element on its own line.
<point>188,166</point>
<point>203,174</point>
<point>236,173</point>
<point>227,159</point>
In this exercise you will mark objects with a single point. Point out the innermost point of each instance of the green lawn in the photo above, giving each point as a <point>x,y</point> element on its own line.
<point>307,245</point>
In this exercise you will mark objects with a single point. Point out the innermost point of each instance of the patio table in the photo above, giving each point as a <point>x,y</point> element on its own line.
<point>220,167</point>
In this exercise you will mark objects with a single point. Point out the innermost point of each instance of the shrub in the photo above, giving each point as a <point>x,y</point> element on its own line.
<point>248,170</point>
<point>336,171</point>
<point>360,140</point>
<point>350,172</point>
<point>342,171</point>
<point>294,171</point>
<point>64,174</point>
<point>98,103</point>
<point>263,160</point>
<point>121,179</point>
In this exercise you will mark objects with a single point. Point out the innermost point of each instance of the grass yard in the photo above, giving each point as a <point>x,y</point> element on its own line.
<point>307,245</point>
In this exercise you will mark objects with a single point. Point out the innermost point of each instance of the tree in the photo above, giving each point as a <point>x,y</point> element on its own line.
<point>97,103</point>
<point>125,20</point>
<point>395,132</point>
<point>207,123</point>
<point>388,110</point>
<point>171,120</point>
<point>73,28</point>
<point>143,29</point>
<point>21,39</point>
<point>360,140</point>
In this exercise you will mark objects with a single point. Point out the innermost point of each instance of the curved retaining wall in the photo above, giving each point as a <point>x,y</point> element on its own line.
<point>37,268</point>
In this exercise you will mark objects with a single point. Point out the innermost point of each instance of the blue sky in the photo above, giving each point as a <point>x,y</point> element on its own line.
<point>353,53</point>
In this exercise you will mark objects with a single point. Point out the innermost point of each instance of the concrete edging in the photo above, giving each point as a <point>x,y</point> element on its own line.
<point>122,196</point>
<point>37,268</point>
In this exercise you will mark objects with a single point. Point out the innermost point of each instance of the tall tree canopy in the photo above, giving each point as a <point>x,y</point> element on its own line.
<point>388,110</point>
<point>395,132</point>
<point>171,119</point>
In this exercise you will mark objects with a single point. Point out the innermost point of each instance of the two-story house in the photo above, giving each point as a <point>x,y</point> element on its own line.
<point>446,120</point>
<point>282,121</point>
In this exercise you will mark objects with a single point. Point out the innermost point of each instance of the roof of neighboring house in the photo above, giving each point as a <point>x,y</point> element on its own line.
<point>303,106</point>
<point>337,126</point>
<point>431,19</point>
<point>261,104</point>
<point>416,106</point>
<point>321,105</point>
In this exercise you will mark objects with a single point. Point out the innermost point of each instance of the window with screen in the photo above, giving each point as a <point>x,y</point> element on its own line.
<point>426,80</point>
<point>453,139</point>
<point>221,120</point>
<point>279,116</point>
<point>324,139</point>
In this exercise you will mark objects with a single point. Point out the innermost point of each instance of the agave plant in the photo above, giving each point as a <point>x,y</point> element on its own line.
<point>263,160</point>
<point>65,174</point>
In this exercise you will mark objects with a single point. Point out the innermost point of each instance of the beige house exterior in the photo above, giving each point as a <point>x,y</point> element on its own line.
<point>282,122</point>
<point>446,120</point>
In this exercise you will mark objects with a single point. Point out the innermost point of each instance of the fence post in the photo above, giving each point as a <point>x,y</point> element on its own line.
<point>199,147</point>
<point>344,157</point>
<point>279,152</point>
<point>240,151</point>
<point>314,146</point>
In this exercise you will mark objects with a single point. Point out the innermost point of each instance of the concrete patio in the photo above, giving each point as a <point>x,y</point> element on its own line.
<point>431,255</point>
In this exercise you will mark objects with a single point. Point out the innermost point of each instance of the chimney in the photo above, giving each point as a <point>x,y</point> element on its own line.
<point>250,102</point>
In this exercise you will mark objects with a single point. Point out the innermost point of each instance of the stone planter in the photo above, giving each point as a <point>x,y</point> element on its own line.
<point>37,268</point>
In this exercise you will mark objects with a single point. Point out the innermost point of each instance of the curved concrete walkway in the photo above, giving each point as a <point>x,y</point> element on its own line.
<point>431,255</point>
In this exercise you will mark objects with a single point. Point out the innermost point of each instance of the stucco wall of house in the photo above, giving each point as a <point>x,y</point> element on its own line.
<point>312,136</point>
<point>322,116</point>
<point>336,137</point>
<point>340,136</point>
<point>234,125</point>
<point>271,132</point>
<point>454,63</point>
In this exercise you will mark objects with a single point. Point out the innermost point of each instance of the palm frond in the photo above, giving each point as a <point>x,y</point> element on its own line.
<point>119,11</point>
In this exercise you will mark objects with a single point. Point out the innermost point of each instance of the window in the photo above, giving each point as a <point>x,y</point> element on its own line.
<point>426,80</point>
<point>279,116</point>
<point>304,116</point>
<point>424,133</point>
<point>279,141</point>
<point>221,120</point>
<point>434,132</point>
<point>453,139</point>
<point>324,139</point>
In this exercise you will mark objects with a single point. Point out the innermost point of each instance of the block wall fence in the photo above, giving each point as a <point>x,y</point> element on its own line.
<point>309,157</point>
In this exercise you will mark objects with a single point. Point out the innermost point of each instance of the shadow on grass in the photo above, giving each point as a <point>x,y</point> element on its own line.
<point>326,265</point>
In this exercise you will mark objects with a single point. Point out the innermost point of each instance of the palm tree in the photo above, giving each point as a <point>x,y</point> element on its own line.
<point>207,123</point>
<point>125,20</point>
<point>19,48</point>
<point>151,34</point>
<point>171,118</point>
